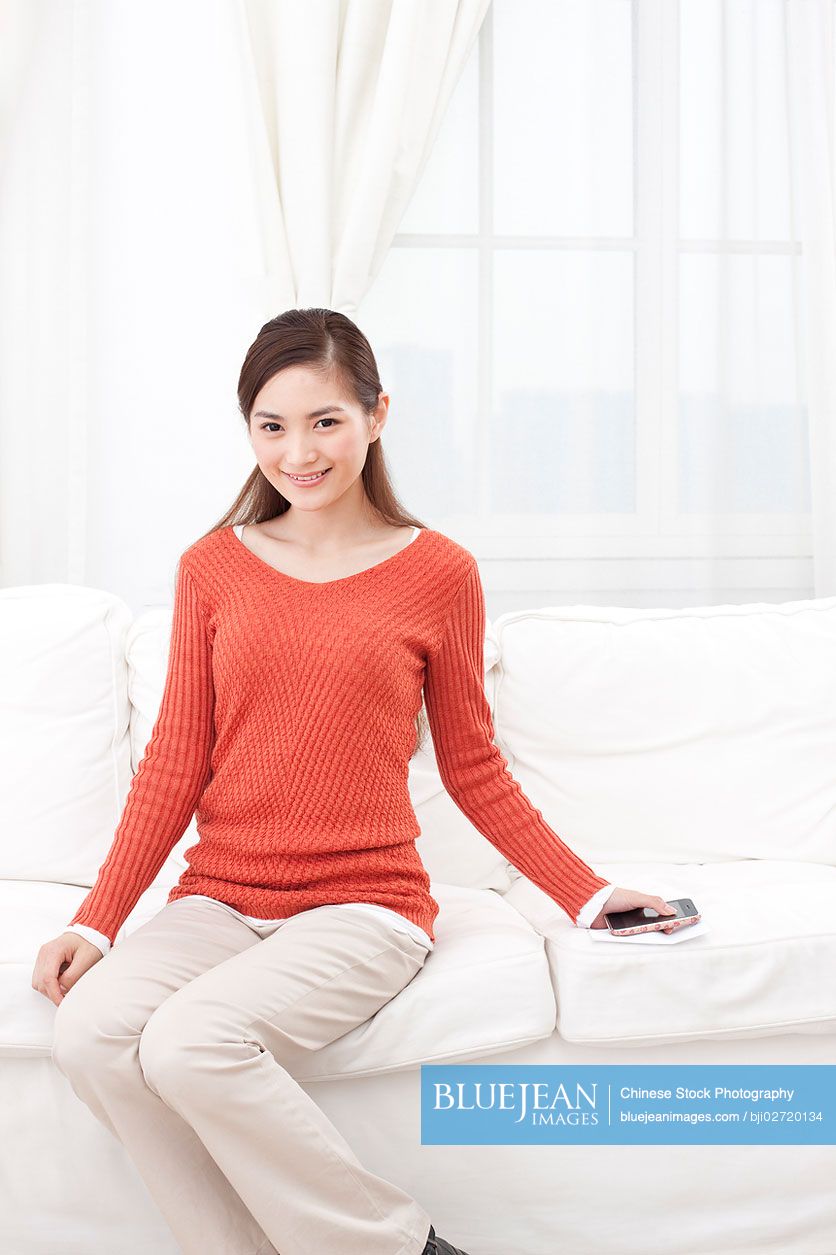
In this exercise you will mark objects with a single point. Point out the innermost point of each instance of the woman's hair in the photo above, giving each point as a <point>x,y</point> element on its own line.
<point>332,345</point>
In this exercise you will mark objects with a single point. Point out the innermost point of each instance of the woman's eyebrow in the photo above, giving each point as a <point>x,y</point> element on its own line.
<point>326,409</point>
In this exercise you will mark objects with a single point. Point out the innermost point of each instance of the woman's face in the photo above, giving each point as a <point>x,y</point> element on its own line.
<point>302,425</point>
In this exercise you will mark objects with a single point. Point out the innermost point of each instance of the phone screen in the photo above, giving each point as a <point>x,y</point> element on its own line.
<point>648,914</point>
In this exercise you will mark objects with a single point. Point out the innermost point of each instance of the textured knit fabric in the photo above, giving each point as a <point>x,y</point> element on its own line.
<point>286,727</point>
<point>398,922</point>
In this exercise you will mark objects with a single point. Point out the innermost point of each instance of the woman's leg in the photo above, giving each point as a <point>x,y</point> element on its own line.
<point>96,1046</point>
<point>214,1050</point>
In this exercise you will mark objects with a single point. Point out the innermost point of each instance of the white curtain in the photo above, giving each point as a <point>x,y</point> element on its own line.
<point>174,174</point>
<point>345,101</point>
<point>810,97</point>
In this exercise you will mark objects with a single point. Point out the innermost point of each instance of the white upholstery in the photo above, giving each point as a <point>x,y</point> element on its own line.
<point>758,970</point>
<point>64,720</point>
<point>684,752</point>
<point>610,718</point>
<point>689,753</point>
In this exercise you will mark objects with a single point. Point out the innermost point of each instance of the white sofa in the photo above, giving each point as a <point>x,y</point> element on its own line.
<point>683,752</point>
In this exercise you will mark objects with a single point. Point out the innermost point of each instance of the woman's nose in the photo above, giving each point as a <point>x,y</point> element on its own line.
<point>300,457</point>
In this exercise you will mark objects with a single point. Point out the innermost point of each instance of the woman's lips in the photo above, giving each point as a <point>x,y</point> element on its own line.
<point>308,483</point>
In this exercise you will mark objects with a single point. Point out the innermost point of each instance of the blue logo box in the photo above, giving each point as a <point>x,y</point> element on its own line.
<point>652,1105</point>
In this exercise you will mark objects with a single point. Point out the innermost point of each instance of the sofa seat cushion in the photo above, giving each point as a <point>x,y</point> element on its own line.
<point>762,966</point>
<point>484,988</point>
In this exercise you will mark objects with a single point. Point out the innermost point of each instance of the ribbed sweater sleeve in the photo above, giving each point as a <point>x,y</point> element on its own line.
<point>473,769</point>
<point>170,778</point>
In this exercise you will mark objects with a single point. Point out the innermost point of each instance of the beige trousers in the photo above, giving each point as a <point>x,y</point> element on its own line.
<point>174,1041</point>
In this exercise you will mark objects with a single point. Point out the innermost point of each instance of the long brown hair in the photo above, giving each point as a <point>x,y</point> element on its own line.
<point>332,345</point>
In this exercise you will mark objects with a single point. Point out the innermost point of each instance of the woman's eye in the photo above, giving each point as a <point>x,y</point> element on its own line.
<point>264,426</point>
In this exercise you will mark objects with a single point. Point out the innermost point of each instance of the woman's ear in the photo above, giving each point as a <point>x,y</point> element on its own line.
<point>379,415</point>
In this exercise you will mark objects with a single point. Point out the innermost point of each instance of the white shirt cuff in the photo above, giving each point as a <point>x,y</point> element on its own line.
<point>90,934</point>
<point>592,908</point>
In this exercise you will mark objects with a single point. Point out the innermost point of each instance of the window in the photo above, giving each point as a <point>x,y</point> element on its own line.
<point>589,318</point>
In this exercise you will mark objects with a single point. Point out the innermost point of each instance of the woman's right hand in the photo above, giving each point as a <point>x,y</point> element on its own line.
<point>628,899</point>
<point>61,962</point>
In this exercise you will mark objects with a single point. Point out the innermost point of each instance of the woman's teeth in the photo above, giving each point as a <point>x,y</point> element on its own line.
<point>308,479</point>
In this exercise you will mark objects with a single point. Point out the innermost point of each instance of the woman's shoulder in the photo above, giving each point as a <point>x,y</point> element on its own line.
<point>203,548</point>
<point>453,559</point>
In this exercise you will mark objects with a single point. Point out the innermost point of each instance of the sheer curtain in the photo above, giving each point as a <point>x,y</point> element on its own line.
<point>810,96</point>
<point>174,175</point>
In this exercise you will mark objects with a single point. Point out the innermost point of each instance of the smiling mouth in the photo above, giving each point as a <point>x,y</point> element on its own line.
<point>308,479</point>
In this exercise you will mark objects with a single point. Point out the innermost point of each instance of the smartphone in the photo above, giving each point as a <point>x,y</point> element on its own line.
<point>645,919</point>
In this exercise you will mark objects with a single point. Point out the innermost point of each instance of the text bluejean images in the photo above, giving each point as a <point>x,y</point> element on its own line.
<point>708,1104</point>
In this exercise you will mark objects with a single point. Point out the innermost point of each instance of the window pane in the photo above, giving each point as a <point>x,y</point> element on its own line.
<point>421,320</point>
<point>563,427</point>
<point>734,169</point>
<point>447,195</point>
<point>563,117</point>
<point>742,425</point>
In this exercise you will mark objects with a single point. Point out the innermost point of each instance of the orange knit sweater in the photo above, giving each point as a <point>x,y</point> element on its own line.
<point>286,727</point>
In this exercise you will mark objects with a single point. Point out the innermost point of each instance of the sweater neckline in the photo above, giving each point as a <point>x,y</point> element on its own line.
<point>343,579</point>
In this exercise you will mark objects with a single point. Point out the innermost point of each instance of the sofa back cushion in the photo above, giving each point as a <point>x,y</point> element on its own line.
<point>688,735</point>
<point>64,730</point>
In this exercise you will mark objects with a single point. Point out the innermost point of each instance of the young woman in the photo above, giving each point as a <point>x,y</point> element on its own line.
<point>307,626</point>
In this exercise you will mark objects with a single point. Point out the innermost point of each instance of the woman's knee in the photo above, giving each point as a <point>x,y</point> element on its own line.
<point>179,1047</point>
<point>163,1050</point>
<point>85,1032</point>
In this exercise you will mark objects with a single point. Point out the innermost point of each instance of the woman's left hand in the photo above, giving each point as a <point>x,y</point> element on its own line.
<point>627,900</point>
